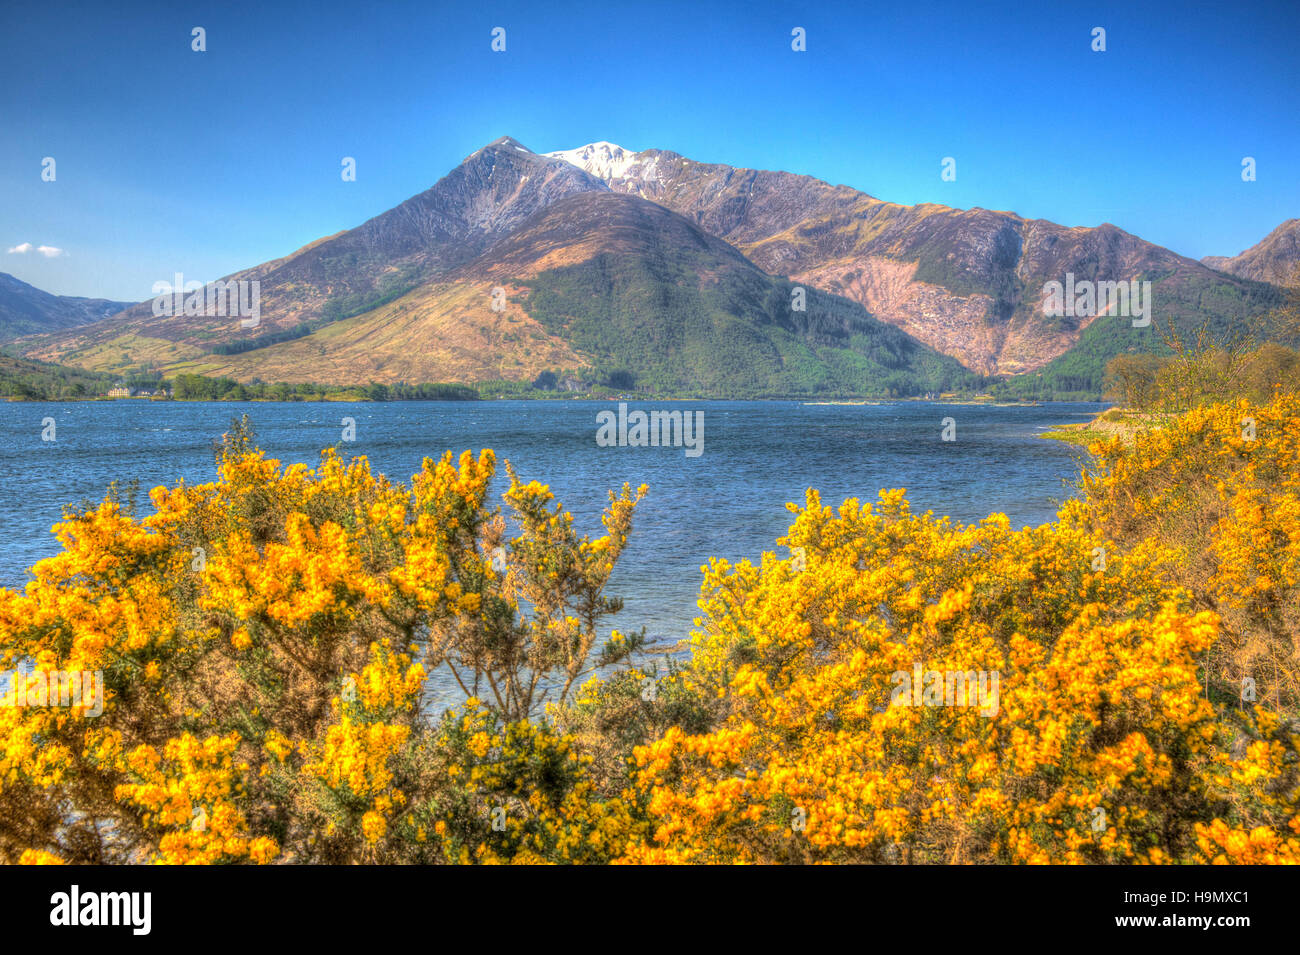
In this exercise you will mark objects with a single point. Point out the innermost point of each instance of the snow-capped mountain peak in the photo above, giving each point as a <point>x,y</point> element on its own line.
<point>603,160</point>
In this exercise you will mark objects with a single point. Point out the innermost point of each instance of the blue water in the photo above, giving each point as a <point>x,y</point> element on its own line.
<point>728,502</point>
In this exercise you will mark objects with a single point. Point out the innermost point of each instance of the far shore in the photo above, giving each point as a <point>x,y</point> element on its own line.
<point>560,396</point>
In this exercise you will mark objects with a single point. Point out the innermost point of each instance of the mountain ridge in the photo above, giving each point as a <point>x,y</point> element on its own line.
<point>26,309</point>
<point>1273,259</point>
<point>975,274</point>
<point>409,291</point>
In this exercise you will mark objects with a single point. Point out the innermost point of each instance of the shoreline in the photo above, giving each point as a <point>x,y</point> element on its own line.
<point>1114,422</point>
<point>845,402</point>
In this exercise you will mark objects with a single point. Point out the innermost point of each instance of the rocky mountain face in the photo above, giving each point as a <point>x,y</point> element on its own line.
<point>1275,258</point>
<point>579,227</point>
<point>967,282</point>
<point>26,310</point>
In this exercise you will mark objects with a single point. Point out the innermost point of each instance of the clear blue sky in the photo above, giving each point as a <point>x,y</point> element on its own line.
<point>205,163</point>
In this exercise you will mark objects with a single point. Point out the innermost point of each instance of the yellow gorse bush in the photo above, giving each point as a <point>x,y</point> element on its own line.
<point>1111,741</point>
<point>1217,496</point>
<point>265,642</point>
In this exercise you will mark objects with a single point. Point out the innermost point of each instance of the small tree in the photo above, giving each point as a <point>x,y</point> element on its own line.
<point>1131,379</point>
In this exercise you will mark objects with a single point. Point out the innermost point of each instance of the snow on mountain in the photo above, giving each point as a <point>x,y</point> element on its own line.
<point>603,160</point>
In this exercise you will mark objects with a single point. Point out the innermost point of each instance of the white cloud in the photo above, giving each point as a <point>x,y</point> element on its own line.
<point>49,251</point>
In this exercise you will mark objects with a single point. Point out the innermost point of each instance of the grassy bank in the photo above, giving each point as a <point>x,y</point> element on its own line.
<point>1122,423</point>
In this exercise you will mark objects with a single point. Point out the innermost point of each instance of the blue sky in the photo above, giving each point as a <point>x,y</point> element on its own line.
<point>204,163</point>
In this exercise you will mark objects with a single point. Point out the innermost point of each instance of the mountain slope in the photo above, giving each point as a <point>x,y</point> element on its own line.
<point>641,290</point>
<point>620,285</point>
<point>1224,314</point>
<point>439,331</point>
<point>967,282</point>
<point>1275,258</point>
<point>478,202</point>
<point>27,310</point>
<point>38,381</point>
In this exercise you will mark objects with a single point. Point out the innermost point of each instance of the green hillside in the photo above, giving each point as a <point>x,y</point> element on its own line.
<point>732,333</point>
<point>1219,311</point>
<point>41,381</point>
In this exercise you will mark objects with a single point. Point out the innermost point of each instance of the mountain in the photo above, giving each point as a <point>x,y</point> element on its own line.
<point>26,310</point>
<point>680,276</point>
<point>593,279</point>
<point>481,200</point>
<point>621,287</point>
<point>1275,258</point>
<point>966,282</point>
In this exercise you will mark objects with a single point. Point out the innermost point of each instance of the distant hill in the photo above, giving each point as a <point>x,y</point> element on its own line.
<point>1275,258</point>
<point>26,310</point>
